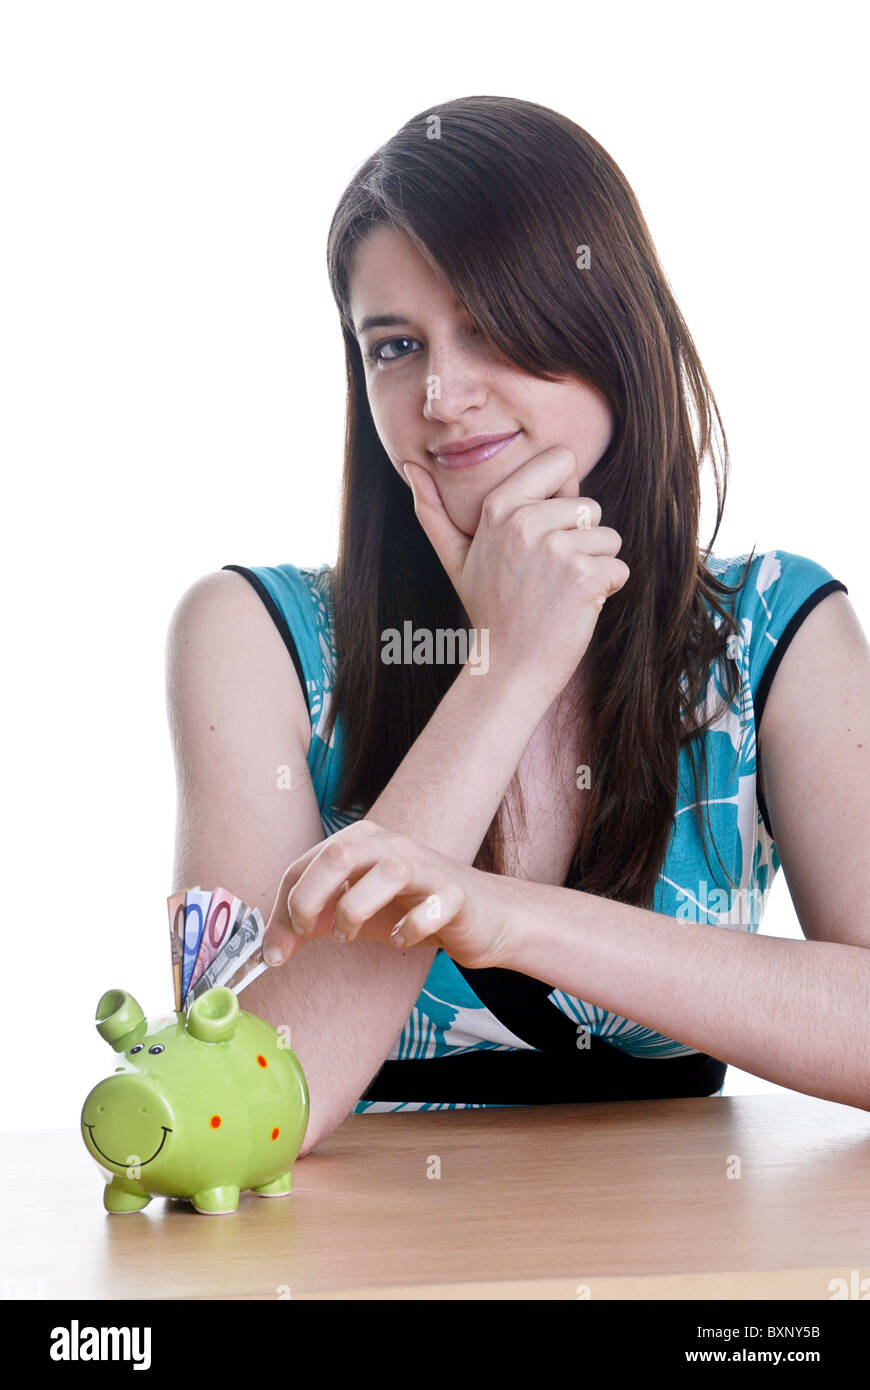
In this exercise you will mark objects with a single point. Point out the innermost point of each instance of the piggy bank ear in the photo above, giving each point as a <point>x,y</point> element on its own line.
<point>118,1015</point>
<point>214,1015</point>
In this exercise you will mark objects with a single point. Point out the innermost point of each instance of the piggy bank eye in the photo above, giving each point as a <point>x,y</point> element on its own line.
<point>138,1048</point>
<point>158,1047</point>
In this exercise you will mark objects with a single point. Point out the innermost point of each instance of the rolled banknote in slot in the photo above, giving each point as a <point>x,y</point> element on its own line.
<point>175,905</point>
<point>196,909</point>
<point>224,913</point>
<point>239,961</point>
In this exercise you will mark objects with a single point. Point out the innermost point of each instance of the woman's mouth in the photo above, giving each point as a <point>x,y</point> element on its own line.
<point>477,449</point>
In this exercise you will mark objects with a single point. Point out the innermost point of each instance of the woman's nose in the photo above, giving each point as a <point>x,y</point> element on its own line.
<point>452,388</point>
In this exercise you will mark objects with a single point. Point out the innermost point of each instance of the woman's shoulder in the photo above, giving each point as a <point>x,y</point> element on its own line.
<point>302,593</point>
<point>298,598</point>
<point>773,592</point>
<point>769,572</point>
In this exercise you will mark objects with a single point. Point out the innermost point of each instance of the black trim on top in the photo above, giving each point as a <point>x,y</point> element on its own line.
<point>556,1071</point>
<point>525,1077</point>
<point>520,1002</point>
<point>279,620</point>
<point>771,668</point>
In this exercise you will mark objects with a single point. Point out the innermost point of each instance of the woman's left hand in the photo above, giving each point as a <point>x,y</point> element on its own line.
<point>385,886</point>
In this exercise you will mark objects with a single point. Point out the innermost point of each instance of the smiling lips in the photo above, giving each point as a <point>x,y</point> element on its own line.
<point>468,452</point>
<point>121,1163</point>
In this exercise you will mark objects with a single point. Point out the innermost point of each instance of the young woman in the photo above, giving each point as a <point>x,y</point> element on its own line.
<point>535,874</point>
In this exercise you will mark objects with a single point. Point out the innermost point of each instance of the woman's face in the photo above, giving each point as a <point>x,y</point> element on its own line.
<point>435,382</point>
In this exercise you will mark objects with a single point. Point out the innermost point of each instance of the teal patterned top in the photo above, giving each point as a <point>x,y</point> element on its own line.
<point>448,1017</point>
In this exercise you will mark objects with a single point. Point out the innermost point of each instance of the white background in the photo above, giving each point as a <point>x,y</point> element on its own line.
<point>172,369</point>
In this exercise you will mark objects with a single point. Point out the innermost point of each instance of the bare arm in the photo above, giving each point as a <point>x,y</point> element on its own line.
<point>237,713</point>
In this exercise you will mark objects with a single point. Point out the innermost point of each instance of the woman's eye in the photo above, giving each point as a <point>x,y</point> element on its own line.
<point>376,354</point>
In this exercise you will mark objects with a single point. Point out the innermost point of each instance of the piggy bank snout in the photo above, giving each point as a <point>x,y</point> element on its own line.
<point>127,1121</point>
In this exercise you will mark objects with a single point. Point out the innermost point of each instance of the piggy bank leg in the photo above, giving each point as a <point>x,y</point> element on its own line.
<point>278,1187</point>
<point>121,1196</point>
<point>216,1201</point>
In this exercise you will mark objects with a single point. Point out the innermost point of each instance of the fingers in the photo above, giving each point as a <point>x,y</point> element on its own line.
<point>429,917</point>
<point>280,929</point>
<point>530,523</point>
<point>375,890</point>
<point>449,543</point>
<point>552,473</point>
<point>280,942</point>
<point>353,882</point>
<point>600,573</point>
<point>290,929</point>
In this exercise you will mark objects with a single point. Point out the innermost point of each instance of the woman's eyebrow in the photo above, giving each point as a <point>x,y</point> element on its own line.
<point>380,321</point>
<point>388,320</point>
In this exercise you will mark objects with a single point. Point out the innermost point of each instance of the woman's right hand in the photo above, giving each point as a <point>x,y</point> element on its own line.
<point>538,569</point>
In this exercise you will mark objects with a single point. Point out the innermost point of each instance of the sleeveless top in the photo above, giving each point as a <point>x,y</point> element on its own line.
<point>478,1038</point>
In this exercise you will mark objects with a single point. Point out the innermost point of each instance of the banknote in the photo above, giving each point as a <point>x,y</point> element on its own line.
<point>176,907</point>
<point>225,912</point>
<point>196,905</point>
<point>240,961</point>
<point>215,939</point>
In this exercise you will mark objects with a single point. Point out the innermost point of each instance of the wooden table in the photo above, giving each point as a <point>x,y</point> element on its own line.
<point>747,1197</point>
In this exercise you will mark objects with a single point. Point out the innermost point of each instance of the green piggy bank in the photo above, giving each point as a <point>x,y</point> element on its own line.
<point>204,1105</point>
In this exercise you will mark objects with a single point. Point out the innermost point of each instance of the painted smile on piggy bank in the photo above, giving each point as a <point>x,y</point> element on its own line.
<point>118,1162</point>
<point>226,1097</point>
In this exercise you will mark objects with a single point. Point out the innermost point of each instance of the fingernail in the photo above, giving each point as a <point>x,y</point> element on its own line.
<point>272,954</point>
<point>397,938</point>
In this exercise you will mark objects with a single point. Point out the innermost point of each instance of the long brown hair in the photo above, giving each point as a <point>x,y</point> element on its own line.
<point>499,195</point>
